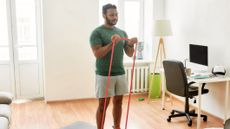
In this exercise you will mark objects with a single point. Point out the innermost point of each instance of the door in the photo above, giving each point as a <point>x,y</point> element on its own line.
<point>24,48</point>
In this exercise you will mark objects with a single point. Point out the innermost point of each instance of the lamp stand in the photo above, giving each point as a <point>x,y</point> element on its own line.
<point>161,53</point>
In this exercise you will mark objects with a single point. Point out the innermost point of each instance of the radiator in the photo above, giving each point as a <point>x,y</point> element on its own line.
<point>140,78</point>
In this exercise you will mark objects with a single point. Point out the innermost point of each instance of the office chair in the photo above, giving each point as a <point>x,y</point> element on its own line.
<point>176,83</point>
<point>227,124</point>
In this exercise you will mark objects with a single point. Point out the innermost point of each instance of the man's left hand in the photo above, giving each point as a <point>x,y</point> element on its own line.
<point>132,41</point>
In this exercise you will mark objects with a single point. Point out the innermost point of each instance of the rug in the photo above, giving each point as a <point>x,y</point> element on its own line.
<point>79,125</point>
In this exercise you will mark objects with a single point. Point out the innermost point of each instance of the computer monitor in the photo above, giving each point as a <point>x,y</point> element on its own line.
<point>198,54</point>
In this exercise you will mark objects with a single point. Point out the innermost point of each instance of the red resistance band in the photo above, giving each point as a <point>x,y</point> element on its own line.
<point>108,82</point>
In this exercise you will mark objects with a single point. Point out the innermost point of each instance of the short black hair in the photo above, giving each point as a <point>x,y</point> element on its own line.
<point>108,6</point>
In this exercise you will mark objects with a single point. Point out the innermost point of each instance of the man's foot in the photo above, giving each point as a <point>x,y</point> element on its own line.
<point>116,127</point>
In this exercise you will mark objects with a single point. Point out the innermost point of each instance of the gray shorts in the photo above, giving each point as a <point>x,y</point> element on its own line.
<point>118,86</point>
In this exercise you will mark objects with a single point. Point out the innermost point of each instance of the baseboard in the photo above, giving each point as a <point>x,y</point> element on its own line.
<point>80,99</point>
<point>68,100</point>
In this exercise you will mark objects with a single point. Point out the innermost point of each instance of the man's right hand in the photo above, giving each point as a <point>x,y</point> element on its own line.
<point>115,38</point>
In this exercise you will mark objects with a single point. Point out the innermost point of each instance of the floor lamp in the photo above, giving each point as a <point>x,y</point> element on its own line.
<point>162,28</point>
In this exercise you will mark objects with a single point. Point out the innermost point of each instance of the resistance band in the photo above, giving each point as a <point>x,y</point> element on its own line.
<point>108,83</point>
<point>131,85</point>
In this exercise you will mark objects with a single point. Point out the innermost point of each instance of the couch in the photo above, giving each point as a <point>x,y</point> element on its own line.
<point>5,111</point>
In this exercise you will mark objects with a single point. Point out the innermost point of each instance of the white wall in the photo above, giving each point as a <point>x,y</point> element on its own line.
<point>158,13</point>
<point>204,22</point>
<point>69,62</point>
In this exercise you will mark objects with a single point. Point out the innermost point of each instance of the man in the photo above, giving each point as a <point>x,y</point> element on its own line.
<point>101,43</point>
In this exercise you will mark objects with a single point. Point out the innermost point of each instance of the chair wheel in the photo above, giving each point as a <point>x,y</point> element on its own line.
<point>194,101</point>
<point>205,118</point>
<point>172,112</point>
<point>190,123</point>
<point>169,119</point>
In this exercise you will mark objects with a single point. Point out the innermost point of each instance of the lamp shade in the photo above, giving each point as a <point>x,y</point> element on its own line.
<point>162,28</point>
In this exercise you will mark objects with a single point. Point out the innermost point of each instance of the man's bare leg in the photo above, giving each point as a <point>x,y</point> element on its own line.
<point>100,110</point>
<point>117,111</point>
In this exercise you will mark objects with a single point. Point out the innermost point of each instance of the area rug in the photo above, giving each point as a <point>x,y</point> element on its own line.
<point>79,125</point>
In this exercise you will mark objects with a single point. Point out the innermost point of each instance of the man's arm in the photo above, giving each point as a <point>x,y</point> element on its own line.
<point>129,48</point>
<point>100,51</point>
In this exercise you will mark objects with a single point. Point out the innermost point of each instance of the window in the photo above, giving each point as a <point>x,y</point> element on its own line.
<point>21,17</point>
<point>133,21</point>
<point>26,29</point>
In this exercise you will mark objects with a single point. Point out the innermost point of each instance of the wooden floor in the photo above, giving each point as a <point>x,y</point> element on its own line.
<point>143,115</point>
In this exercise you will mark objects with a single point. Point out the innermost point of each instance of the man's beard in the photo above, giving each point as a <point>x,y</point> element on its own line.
<point>111,22</point>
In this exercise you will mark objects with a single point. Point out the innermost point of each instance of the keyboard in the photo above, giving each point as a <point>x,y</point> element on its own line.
<point>201,75</point>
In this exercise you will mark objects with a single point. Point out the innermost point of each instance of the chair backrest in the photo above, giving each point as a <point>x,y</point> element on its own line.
<point>176,80</point>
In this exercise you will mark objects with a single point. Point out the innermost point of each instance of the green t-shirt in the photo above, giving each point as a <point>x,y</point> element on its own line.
<point>102,35</point>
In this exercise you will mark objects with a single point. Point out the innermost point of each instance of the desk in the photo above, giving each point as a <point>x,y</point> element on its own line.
<point>200,82</point>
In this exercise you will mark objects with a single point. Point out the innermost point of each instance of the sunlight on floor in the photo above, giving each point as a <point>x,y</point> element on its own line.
<point>20,101</point>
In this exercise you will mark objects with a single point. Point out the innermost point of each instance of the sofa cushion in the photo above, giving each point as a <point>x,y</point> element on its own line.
<point>5,98</point>
<point>4,123</point>
<point>5,111</point>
